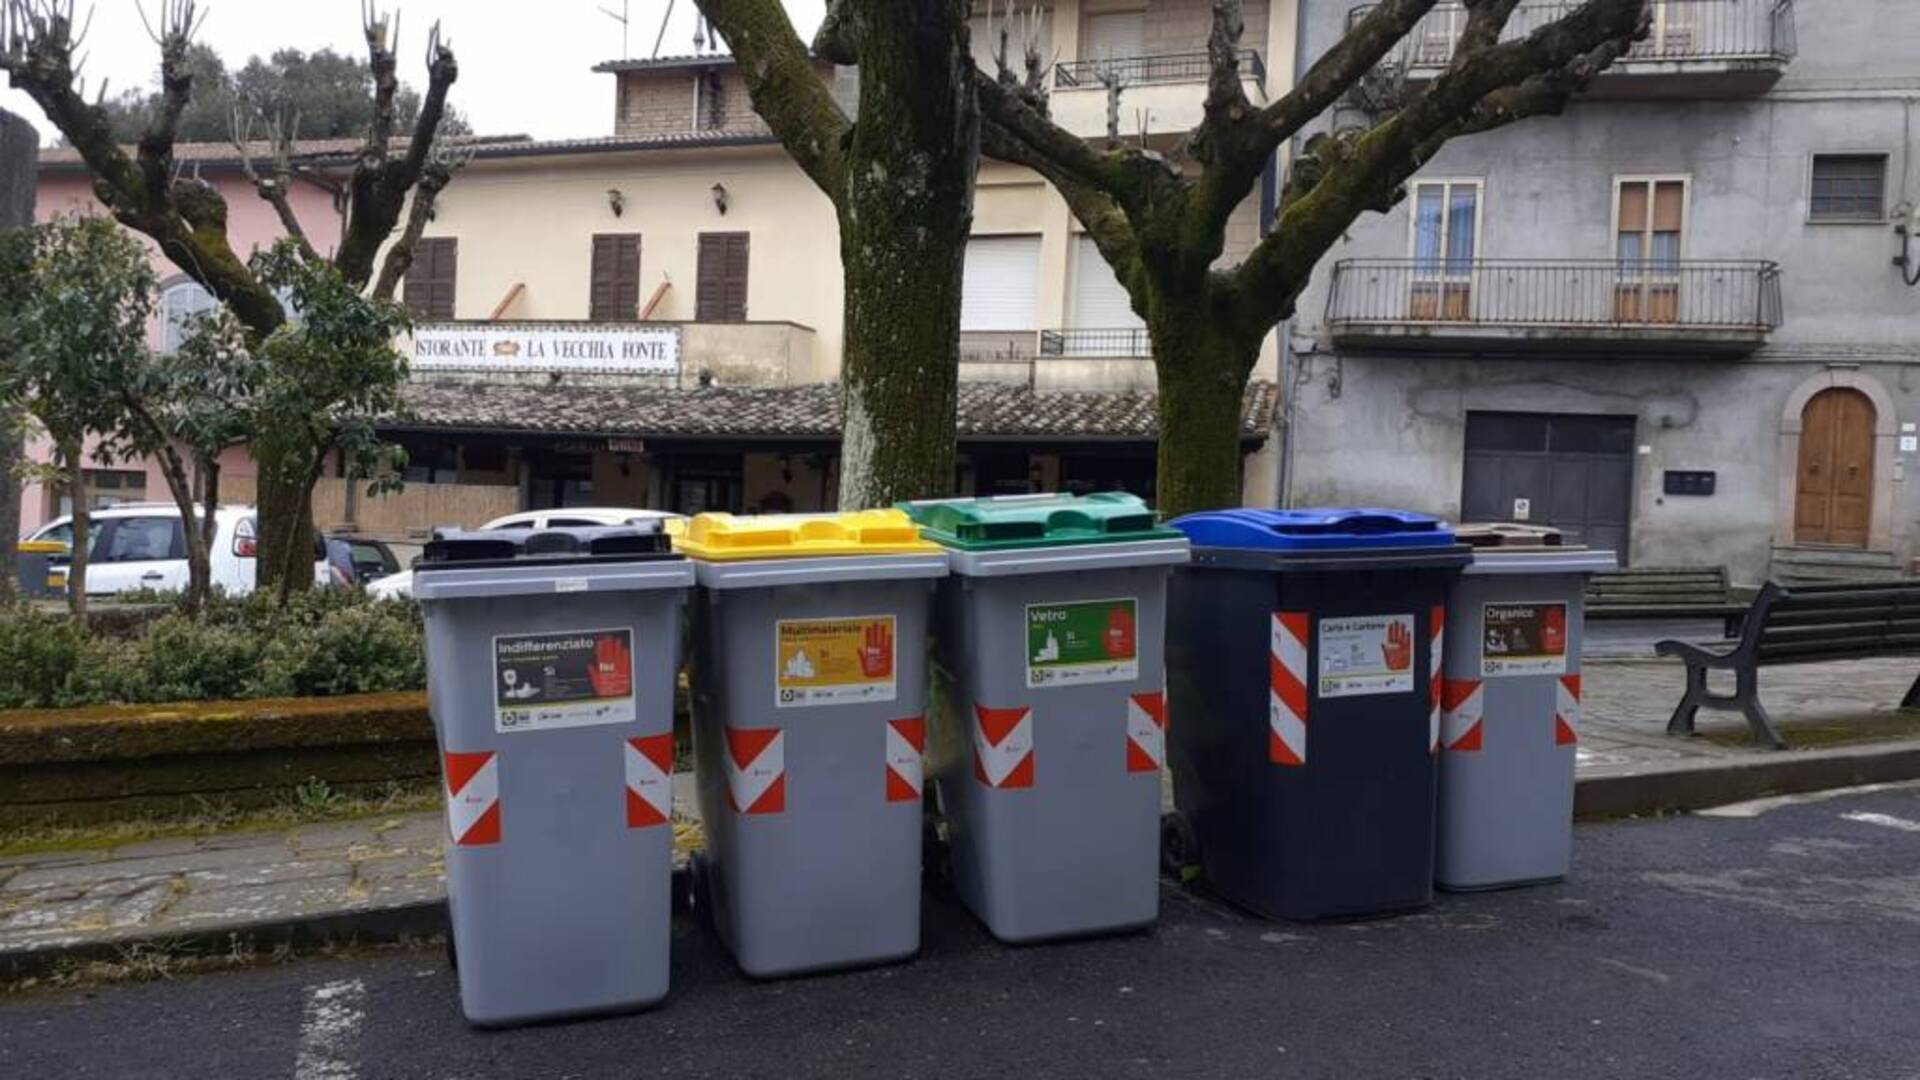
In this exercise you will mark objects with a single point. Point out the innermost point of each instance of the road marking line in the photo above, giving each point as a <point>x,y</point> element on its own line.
<point>1887,821</point>
<point>1755,807</point>
<point>330,1032</point>
<point>1648,974</point>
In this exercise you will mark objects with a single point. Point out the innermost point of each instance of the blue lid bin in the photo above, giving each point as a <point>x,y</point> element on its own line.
<point>1303,651</point>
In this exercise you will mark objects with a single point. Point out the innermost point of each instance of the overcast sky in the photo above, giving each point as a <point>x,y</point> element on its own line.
<point>525,65</point>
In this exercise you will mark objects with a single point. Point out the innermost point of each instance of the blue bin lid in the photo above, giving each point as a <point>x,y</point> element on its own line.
<point>1317,529</point>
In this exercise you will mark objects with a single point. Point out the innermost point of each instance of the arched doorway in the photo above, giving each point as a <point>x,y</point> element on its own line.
<point>1834,478</point>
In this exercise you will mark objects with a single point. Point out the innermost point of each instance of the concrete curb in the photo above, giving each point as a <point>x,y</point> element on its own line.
<point>1660,787</point>
<point>414,920</point>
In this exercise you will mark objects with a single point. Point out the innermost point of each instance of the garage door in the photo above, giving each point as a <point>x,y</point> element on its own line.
<point>1572,472</point>
<point>1001,284</point>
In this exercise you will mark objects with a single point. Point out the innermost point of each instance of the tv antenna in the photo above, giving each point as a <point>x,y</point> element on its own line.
<point>621,18</point>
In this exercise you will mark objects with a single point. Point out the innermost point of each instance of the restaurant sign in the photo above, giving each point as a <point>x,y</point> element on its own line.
<point>629,347</point>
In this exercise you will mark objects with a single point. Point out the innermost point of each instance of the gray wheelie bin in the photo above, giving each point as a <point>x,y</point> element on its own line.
<point>1050,715</point>
<point>1510,716</point>
<point>551,660</point>
<point>809,721</point>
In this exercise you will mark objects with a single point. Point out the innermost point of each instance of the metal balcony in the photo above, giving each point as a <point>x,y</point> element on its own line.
<point>1707,48</point>
<point>1141,70</point>
<point>1536,306</point>
<point>1119,343</point>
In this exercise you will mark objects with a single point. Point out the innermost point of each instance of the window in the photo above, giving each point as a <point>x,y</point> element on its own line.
<point>1000,283</point>
<point>107,487</point>
<point>179,304</point>
<point>614,289</point>
<point>140,539</point>
<point>1848,187</point>
<point>433,463</point>
<point>1446,239</point>
<point>1116,35</point>
<point>430,278</point>
<point>720,293</point>
<point>1649,216</point>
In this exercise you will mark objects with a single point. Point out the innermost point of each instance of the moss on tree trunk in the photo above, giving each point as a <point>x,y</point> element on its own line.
<point>1202,370</point>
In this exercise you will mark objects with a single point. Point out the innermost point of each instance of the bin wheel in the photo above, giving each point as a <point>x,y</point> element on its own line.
<point>699,890</point>
<point>1179,848</point>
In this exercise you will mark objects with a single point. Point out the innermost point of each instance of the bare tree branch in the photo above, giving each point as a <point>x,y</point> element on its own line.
<point>274,186</point>
<point>434,178</point>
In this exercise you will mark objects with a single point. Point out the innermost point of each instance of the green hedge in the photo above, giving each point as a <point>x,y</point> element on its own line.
<point>323,643</point>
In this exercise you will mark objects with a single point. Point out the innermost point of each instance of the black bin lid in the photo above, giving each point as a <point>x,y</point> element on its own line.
<point>462,548</point>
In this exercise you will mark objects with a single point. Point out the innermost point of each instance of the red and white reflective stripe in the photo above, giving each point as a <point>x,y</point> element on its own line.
<point>1462,708</point>
<point>473,797</point>
<point>756,770</point>
<point>649,780</point>
<point>906,770</point>
<point>1146,732</point>
<point>1437,628</point>
<point>1287,689</point>
<point>1566,711</point>
<point>1003,747</point>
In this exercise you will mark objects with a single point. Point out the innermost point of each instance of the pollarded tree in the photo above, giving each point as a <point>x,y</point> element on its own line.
<point>901,180</point>
<point>187,217</point>
<point>1162,226</point>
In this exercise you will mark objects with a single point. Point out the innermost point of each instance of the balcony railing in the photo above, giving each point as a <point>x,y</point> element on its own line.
<point>1682,30</point>
<point>1113,344</point>
<point>1139,70</point>
<point>1730,301</point>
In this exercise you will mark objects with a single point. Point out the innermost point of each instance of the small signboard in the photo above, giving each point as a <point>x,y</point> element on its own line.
<point>555,346</point>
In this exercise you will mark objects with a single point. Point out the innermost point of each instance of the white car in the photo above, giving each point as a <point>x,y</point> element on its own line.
<point>142,546</point>
<point>564,517</point>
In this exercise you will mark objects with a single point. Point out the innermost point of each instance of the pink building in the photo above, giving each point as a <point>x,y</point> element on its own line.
<point>65,187</point>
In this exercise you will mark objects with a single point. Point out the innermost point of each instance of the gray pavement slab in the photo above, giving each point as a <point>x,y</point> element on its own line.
<point>1778,943</point>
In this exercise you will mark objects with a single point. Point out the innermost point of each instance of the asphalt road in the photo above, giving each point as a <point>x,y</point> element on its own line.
<point>1785,944</point>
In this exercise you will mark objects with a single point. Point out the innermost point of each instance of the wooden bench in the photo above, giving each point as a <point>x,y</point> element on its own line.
<point>1669,592</point>
<point>1800,625</point>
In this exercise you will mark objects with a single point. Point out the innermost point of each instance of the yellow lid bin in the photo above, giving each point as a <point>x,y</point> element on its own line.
<point>42,547</point>
<point>725,537</point>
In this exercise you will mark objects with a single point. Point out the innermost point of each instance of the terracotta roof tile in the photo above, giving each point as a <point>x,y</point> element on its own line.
<point>986,411</point>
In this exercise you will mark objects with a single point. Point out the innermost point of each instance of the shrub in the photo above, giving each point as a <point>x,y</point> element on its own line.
<point>334,641</point>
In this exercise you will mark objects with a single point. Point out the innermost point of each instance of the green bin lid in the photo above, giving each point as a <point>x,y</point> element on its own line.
<point>1024,521</point>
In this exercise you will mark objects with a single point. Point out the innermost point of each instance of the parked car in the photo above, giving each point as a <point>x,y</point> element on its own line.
<point>142,546</point>
<point>401,584</point>
<point>363,560</point>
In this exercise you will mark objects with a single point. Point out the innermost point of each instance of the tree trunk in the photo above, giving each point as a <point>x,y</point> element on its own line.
<point>284,563</point>
<point>1202,372</point>
<point>174,469</point>
<point>209,468</point>
<point>905,212</point>
<point>77,560</point>
<point>12,453</point>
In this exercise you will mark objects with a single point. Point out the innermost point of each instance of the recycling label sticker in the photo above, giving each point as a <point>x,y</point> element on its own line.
<point>574,678</point>
<point>1085,641</point>
<point>1523,639</point>
<point>839,661</point>
<point>1365,654</point>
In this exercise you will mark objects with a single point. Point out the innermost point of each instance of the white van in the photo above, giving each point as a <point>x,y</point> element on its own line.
<point>142,546</point>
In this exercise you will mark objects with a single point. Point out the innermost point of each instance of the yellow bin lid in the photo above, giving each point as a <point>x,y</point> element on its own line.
<point>722,537</point>
<point>42,547</point>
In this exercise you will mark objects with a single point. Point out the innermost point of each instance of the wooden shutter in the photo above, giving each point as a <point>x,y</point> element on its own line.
<point>720,294</point>
<point>615,289</point>
<point>430,278</point>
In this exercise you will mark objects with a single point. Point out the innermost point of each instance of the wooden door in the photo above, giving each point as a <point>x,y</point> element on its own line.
<point>1833,499</point>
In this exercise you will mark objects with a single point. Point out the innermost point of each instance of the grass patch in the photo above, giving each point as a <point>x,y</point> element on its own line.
<point>313,801</point>
<point>1822,732</point>
<point>143,962</point>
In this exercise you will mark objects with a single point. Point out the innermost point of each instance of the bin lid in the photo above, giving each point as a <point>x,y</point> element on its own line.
<point>1319,529</point>
<point>461,548</point>
<point>718,537</point>
<point>41,547</point>
<point>1002,522</point>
